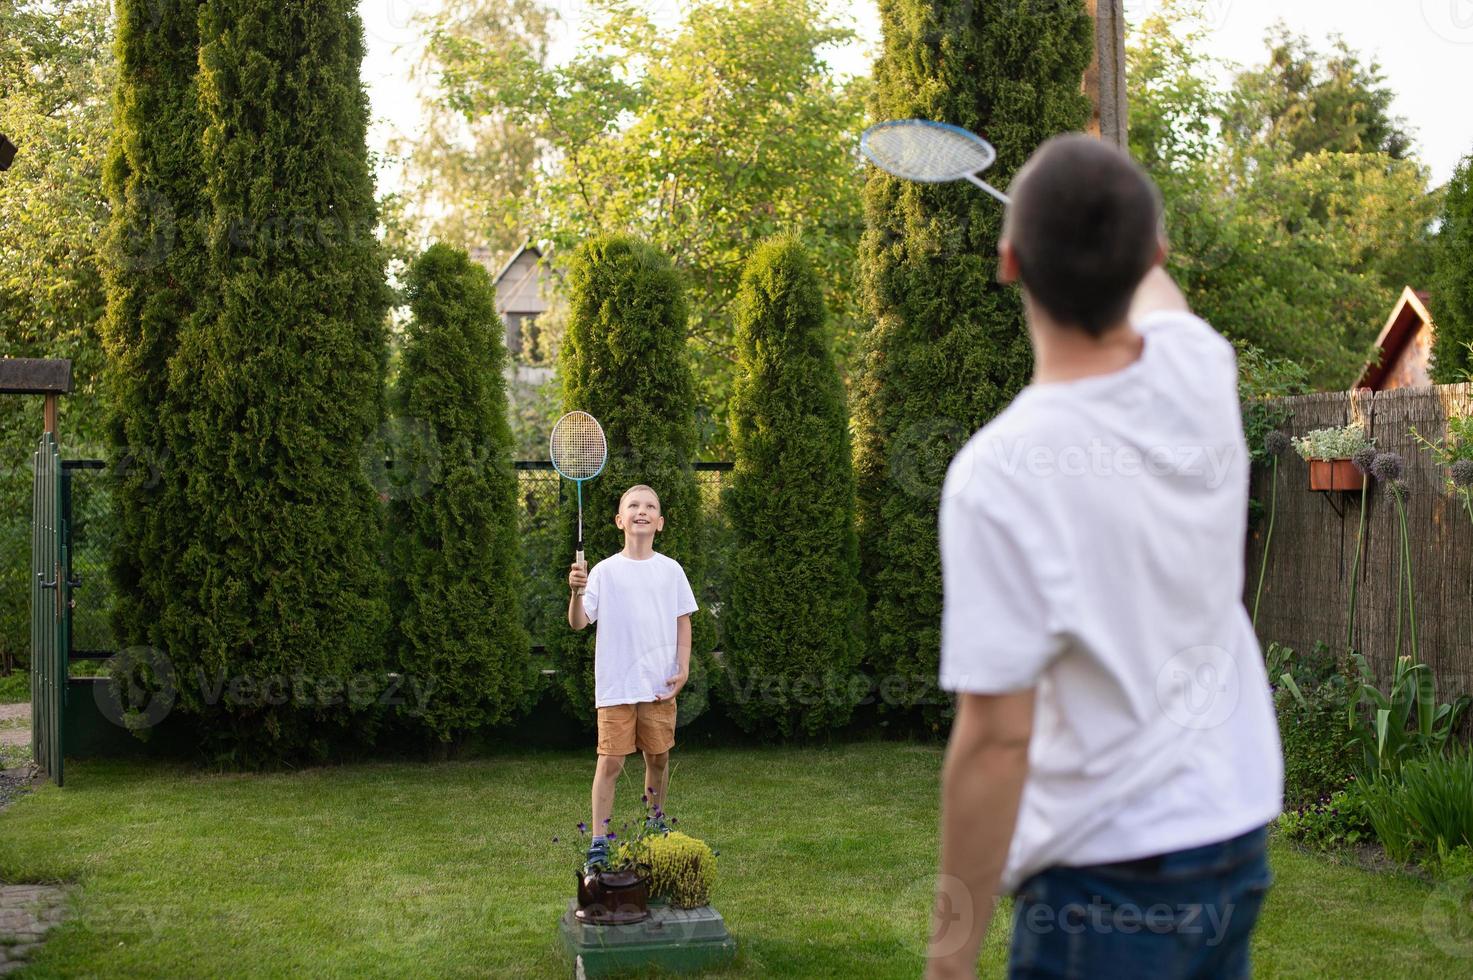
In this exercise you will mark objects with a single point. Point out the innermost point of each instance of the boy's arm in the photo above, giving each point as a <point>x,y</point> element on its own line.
<point>682,658</point>
<point>577,581</point>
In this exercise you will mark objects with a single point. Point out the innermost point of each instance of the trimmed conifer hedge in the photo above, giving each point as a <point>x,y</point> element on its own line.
<point>282,588</point>
<point>793,643</point>
<point>154,271</point>
<point>624,361</point>
<point>1452,283</point>
<point>455,558</point>
<point>947,348</point>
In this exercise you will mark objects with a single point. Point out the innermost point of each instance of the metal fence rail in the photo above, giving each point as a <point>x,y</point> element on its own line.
<point>540,493</point>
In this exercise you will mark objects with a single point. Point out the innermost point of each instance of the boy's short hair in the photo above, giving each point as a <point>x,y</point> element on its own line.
<point>1084,226</point>
<point>638,486</point>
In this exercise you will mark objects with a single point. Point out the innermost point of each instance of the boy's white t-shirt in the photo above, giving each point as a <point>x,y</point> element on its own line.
<point>1092,546</point>
<point>635,603</point>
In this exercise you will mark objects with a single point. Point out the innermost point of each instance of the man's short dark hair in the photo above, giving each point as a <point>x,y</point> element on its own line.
<point>1084,226</point>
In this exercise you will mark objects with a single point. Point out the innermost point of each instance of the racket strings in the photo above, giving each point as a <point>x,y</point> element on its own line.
<point>579,449</point>
<point>921,151</point>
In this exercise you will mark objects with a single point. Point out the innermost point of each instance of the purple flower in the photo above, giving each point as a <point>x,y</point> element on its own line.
<point>554,840</point>
<point>1388,466</point>
<point>606,820</point>
<point>644,799</point>
<point>612,836</point>
<point>673,820</point>
<point>1276,443</point>
<point>1363,458</point>
<point>1463,473</point>
<point>582,827</point>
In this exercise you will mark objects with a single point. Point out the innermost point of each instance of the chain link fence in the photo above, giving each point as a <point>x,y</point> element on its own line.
<point>545,555</point>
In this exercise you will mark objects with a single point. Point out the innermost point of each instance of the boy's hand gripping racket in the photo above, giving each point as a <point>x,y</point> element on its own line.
<point>579,451</point>
<point>930,152</point>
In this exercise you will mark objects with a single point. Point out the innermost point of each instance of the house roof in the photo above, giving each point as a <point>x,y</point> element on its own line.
<point>1409,315</point>
<point>518,292</point>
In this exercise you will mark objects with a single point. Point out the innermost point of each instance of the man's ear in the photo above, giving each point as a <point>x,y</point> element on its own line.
<point>1007,263</point>
<point>619,520</point>
<point>660,523</point>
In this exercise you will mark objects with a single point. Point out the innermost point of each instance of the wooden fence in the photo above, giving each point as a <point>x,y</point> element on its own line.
<point>1306,592</point>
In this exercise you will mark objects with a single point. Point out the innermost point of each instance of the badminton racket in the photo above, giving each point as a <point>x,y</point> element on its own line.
<point>579,452</point>
<point>930,152</point>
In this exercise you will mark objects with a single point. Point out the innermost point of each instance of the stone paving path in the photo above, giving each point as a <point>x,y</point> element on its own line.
<point>13,733</point>
<point>27,914</point>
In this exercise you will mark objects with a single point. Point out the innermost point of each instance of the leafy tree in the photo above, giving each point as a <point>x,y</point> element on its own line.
<point>465,176</point>
<point>1296,250</point>
<point>1452,286</point>
<point>792,625</point>
<point>948,348</point>
<point>704,141</point>
<point>624,361</point>
<point>285,362</point>
<point>454,554</point>
<point>1307,102</point>
<point>155,272</point>
<point>56,71</point>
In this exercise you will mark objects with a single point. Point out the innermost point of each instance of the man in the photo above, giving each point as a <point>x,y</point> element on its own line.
<point>1115,758</point>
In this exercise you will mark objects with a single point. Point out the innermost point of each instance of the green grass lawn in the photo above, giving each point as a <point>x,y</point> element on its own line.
<point>449,870</point>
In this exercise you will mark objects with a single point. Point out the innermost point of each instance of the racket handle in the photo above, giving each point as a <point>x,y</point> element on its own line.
<point>578,557</point>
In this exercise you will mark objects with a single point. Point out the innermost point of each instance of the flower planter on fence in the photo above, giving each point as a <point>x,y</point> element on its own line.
<point>1335,474</point>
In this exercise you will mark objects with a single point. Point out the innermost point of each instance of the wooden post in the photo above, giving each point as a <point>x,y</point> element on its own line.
<point>1104,81</point>
<point>49,412</point>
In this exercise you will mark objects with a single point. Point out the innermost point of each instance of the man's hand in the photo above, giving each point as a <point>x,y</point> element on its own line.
<point>578,576</point>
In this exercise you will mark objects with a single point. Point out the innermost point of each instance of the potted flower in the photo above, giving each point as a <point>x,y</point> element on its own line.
<point>1330,453</point>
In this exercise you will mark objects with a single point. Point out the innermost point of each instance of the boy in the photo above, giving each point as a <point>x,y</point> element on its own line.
<point>642,603</point>
<point>1115,757</point>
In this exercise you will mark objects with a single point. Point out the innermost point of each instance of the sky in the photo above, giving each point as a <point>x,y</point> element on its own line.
<point>1425,48</point>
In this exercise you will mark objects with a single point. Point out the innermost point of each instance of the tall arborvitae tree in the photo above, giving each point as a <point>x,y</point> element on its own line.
<point>1452,282</point>
<point>624,361</point>
<point>947,348</point>
<point>792,623</point>
<point>284,582</point>
<point>455,574</point>
<point>154,272</point>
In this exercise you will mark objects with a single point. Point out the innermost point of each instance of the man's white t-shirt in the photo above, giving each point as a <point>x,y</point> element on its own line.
<point>635,603</point>
<point>1092,546</point>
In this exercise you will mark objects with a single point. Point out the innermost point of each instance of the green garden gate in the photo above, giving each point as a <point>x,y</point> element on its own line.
<point>50,608</point>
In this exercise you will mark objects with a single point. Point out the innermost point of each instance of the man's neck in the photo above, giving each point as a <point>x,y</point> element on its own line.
<point>1066,353</point>
<point>638,548</point>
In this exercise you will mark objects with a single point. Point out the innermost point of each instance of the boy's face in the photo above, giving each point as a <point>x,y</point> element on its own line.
<point>639,514</point>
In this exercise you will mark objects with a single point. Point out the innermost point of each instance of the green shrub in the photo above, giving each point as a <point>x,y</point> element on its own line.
<point>682,868</point>
<point>792,624</point>
<point>155,271</point>
<point>624,361</point>
<point>1425,810</point>
<point>15,687</point>
<point>1337,821</point>
<point>284,365</point>
<point>947,348</point>
<point>1404,722</point>
<point>1311,695</point>
<point>454,555</point>
<point>1452,280</point>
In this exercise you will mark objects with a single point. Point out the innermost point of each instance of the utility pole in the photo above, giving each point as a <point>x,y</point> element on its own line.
<point>1104,81</point>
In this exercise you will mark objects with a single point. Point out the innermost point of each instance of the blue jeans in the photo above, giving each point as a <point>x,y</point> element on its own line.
<point>1187,914</point>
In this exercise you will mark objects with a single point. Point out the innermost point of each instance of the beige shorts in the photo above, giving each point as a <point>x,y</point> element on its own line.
<point>648,726</point>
